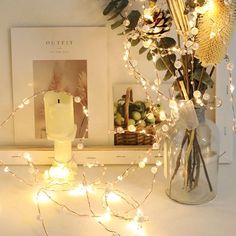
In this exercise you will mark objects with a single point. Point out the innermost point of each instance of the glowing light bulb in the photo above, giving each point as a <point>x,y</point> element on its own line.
<point>155,146</point>
<point>165,128</point>
<point>145,160</point>
<point>194,31</point>
<point>78,191</point>
<point>232,88</point>
<point>212,35</point>
<point>178,64</point>
<point>154,170</point>
<point>197,94</point>
<point>21,106</point>
<point>113,197</point>
<point>206,96</point>
<point>120,130</point>
<point>148,14</point>
<point>136,224</point>
<point>77,99</point>
<point>162,115</point>
<point>142,164</point>
<point>209,6</point>
<point>42,197</point>
<point>126,22</point>
<point>158,163</point>
<point>59,172</point>
<point>27,156</point>
<point>131,128</point>
<point>6,169</point>
<point>26,101</point>
<point>120,178</point>
<point>80,146</point>
<point>106,217</point>
<point>147,43</point>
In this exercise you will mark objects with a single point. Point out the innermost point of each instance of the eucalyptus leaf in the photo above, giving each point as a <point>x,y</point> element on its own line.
<point>111,6</point>
<point>149,56</point>
<point>121,6</point>
<point>125,32</point>
<point>133,17</point>
<point>117,24</point>
<point>204,77</point>
<point>167,76</point>
<point>142,50</point>
<point>166,63</point>
<point>167,42</point>
<point>135,42</point>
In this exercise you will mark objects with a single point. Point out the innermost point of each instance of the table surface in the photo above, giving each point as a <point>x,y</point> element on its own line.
<point>18,213</point>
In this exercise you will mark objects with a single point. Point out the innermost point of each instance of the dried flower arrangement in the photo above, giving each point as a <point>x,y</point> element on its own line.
<point>203,32</point>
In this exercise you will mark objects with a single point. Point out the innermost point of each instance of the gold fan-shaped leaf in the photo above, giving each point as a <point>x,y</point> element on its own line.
<point>215,31</point>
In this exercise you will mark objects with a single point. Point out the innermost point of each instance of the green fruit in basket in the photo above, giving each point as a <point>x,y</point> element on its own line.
<point>150,118</point>
<point>121,109</point>
<point>151,121</point>
<point>118,115</point>
<point>136,115</point>
<point>131,122</point>
<point>142,123</point>
<point>115,109</point>
<point>156,111</point>
<point>148,104</point>
<point>143,115</point>
<point>119,121</point>
<point>140,106</point>
<point>120,102</point>
<point>131,108</point>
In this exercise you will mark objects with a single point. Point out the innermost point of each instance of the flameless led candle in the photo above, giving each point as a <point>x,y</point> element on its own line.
<point>60,127</point>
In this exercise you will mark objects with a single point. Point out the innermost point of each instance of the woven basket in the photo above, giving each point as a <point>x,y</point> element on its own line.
<point>133,138</point>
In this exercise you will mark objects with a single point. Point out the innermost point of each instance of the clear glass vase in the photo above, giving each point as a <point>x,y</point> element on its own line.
<point>192,162</point>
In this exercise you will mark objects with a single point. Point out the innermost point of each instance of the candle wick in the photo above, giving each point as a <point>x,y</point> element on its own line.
<point>58,101</point>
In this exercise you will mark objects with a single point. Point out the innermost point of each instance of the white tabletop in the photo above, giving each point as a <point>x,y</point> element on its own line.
<point>18,213</point>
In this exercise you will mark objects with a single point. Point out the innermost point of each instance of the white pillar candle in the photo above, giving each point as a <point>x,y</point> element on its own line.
<point>60,127</point>
<point>59,114</point>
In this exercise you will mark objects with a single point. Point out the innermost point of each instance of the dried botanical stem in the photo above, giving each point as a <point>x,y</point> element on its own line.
<point>193,159</point>
<point>179,88</point>
<point>178,160</point>
<point>185,72</point>
<point>187,156</point>
<point>201,77</point>
<point>176,8</point>
<point>167,66</point>
<point>198,164</point>
<point>204,167</point>
<point>212,71</point>
<point>184,90</point>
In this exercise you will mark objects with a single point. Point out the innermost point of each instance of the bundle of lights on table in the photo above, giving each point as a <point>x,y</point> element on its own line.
<point>61,178</point>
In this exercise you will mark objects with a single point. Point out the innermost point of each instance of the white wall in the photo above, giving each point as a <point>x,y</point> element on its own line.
<point>232,53</point>
<point>32,13</point>
<point>43,13</point>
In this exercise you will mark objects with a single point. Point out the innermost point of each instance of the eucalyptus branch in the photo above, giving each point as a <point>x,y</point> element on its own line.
<point>212,71</point>
<point>201,77</point>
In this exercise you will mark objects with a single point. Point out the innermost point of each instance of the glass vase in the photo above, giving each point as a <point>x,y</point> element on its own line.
<point>192,162</point>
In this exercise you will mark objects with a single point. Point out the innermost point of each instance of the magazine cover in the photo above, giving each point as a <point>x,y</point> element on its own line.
<point>60,59</point>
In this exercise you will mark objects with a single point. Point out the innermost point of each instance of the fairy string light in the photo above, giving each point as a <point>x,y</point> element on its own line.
<point>43,193</point>
<point>107,188</point>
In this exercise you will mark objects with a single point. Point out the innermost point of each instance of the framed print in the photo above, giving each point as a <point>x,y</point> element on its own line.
<point>73,59</point>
